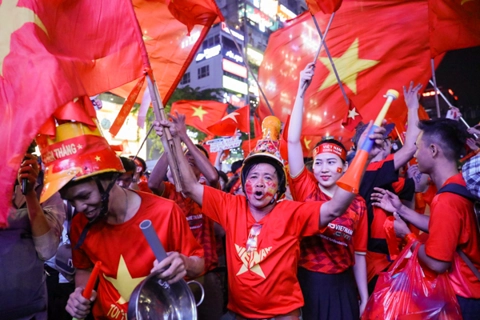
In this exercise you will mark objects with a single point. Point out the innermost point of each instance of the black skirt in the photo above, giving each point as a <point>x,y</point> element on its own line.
<point>329,296</point>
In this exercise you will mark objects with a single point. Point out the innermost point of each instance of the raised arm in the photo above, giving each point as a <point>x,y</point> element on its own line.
<point>202,162</point>
<point>406,152</point>
<point>155,181</point>
<point>45,232</point>
<point>191,187</point>
<point>295,158</point>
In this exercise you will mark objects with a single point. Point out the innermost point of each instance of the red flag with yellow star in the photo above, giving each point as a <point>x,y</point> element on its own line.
<point>325,6</point>
<point>371,55</point>
<point>200,114</point>
<point>52,52</point>
<point>352,118</point>
<point>171,45</point>
<point>454,24</point>
<point>228,125</point>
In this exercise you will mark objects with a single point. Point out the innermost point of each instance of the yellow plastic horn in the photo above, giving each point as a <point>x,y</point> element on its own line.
<point>350,181</point>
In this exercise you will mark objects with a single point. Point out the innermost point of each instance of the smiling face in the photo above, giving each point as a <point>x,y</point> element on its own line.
<point>328,168</point>
<point>261,185</point>
<point>85,197</point>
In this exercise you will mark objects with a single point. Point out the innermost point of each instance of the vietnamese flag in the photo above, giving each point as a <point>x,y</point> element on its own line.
<point>170,47</point>
<point>376,45</point>
<point>325,6</point>
<point>228,125</point>
<point>352,118</point>
<point>200,114</point>
<point>454,24</point>
<point>50,53</point>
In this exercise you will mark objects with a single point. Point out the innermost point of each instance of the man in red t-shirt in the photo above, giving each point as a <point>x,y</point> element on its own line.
<point>452,224</point>
<point>106,229</point>
<point>201,225</point>
<point>262,231</point>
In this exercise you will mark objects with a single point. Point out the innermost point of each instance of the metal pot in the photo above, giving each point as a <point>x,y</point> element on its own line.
<point>154,298</point>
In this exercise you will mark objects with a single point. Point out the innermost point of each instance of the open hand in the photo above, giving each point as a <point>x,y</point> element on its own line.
<point>386,200</point>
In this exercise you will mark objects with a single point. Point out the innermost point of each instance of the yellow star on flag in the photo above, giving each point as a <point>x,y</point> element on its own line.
<point>199,112</point>
<point>349,65</point>
<point>307,142</point>
<point>352,113</point>
<point>13,18</point>
<point>124,283</point>
<point>97,158</point>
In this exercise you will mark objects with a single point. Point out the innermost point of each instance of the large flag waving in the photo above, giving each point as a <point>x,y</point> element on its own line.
<point>371,54</point>
<point>200,114</point>
<point>228,125</point>
<point>50,53</point>
<point>454,24</point>
<point>172,44</point>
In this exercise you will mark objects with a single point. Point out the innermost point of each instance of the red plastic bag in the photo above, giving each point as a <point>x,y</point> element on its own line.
<point>406,291</point>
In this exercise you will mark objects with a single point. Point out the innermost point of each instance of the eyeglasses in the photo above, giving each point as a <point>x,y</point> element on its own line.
<point>252,241</point>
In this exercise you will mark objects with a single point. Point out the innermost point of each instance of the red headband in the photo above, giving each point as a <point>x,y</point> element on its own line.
<point>330,148</point>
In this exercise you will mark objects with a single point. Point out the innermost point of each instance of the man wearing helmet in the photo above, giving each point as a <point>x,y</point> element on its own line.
<point>262,230</point>
<point>83,167</point>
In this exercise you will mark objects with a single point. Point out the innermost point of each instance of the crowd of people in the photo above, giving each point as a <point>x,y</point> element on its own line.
<point>273,241</point>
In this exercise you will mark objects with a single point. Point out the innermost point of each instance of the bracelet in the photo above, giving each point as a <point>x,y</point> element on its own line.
<point>410,238</point>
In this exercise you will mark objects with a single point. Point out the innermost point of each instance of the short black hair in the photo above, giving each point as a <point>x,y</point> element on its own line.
<point>128,164</point>
<point>236,166</point>
<point>202,148</point>
<point>449,134</point>
<point>144,164</point>
<point>105,176</point>
<point>335,142</point>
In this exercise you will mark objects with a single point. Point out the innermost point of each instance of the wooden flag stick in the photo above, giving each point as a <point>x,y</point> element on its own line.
<point>322,42</point>
<point>340,84</point>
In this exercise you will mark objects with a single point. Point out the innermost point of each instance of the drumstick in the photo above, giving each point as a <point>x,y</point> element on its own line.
<point>87,292</point>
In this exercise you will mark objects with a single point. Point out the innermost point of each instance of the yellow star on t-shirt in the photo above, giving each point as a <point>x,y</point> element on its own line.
<point>124,283</point>
<point>251,260</point>
<point>348,67</point>
<point>13,18</point>
<point>199,112</point>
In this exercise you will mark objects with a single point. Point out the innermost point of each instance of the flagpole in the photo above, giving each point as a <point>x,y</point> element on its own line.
<point>434,83</point>
<point>340,84</point>
<point>322,41</point>
<point>245,62</point>
<point>451,106</point>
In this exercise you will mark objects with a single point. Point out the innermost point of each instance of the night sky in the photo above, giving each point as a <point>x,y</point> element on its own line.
<point>460,71</point>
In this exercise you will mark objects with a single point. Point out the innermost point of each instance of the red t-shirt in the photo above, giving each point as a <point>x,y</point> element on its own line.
<point>452,224</point>
<point>333,250</point>
<point>124,252</point>
<point>263,283</point>
<point>201,225</point>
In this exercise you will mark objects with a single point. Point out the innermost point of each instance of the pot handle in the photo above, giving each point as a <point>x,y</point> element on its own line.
<point>153,240</point>
<point>201,288</point>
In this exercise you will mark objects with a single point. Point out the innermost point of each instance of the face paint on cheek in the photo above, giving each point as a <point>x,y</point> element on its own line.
<point>271,189</point>
<point>339,170</point>
<point>248,187</point>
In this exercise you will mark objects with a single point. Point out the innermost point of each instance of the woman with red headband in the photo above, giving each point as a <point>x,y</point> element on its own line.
<point>334,259</point>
